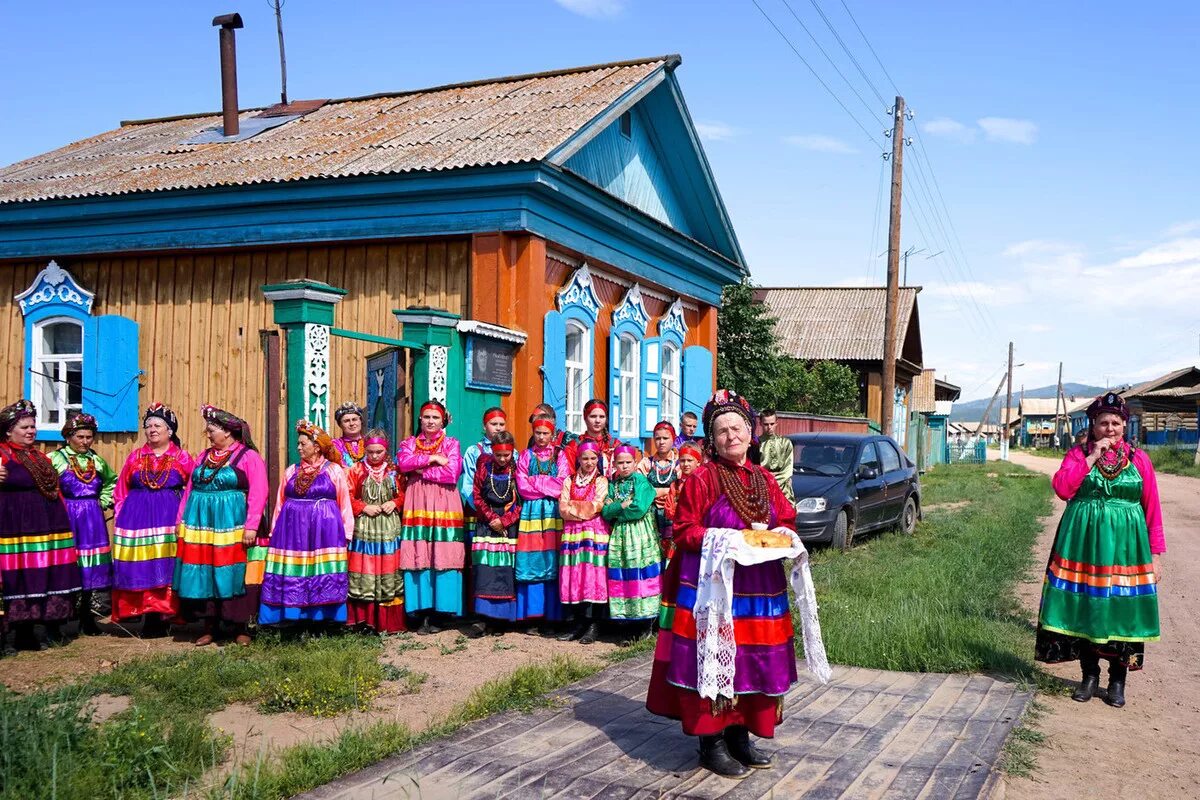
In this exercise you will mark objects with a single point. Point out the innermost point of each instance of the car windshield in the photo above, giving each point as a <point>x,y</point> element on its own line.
<point>823,458</point>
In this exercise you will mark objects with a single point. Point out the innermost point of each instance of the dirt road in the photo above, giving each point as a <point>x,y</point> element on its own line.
<point>1150,748</point>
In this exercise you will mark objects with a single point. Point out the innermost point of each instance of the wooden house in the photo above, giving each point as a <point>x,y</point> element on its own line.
<point>929,424</point>
<point>553,236</point>
<point>845,325</point>
<point>1164,411</point>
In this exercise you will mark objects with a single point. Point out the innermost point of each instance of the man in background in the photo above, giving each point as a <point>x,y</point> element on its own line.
<point>776,452</point>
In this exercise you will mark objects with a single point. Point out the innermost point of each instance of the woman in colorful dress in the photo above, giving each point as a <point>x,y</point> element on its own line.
<point>351,445</point>
<point>305,580</point>
<point>562,437</point>
<point>661,468</point>
<point>494,543</point>
<point>691,456</point>
<point>432,541</point>
<point>583,554</point>
<point>86,482</point>
<point>495,421</point>
<point>1100,595</point>
<point>222,535</point>
<point>729,492</point>
<point>147,497</point>
<point>376,580</point>
<point>634,556</point>
<point>39,567</point>
<point>595,418</point>
<point>541,471</point>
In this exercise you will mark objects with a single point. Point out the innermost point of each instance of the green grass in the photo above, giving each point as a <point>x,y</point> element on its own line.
<point>1019,756</point>
<point>1175,462</point>
<point>943,599</point>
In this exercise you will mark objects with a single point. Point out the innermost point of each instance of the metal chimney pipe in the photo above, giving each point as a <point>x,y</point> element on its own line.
<point>229,99</point>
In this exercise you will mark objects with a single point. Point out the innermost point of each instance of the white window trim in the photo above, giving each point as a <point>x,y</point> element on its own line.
<point>671,389</point>
<point>41,365</point>
<point>585,369</point>
<point>630,402</point>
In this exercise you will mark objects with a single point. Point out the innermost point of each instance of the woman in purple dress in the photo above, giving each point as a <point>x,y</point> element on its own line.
<point>39,569</point>
<point>147,496</point>
<point>306,578</point>
<point>86,481</point>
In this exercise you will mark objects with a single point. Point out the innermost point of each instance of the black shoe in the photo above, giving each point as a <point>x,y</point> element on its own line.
<point>573,634</point>
<point>737,741</point>
<point>1116,693</point>
<point>1087,688</point>
<point>154,626</point>
<point>87,622</point>
<point>8,648</point>
<point>715,757</point>
<point>590,635</point>
<point>427,627</point>
<point>477,631</point>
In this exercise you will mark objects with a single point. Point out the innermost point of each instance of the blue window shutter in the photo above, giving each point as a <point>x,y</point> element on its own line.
<point>554,364</point>
<point>614,385</point>
<point>651,385</point>
<point>697,381</point>
<point>110,372</point>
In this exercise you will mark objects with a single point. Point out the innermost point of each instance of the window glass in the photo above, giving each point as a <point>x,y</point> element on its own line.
<point>62,338</point>
<point>821,458</point>
<point>889,456</point>
<point>868,457</point>
<point>58,362</point>
<point>670,384</point>
<point>579,367</point>
<point>627,361</point>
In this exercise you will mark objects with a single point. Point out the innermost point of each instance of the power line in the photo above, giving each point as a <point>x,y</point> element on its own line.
<point>824,85</point>
<point>867,42</point>
<point>846,50</point>
<point>871,257</point>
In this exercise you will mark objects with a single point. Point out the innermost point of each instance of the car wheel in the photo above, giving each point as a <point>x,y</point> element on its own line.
<point>843,536</point>
<point>908,517</point>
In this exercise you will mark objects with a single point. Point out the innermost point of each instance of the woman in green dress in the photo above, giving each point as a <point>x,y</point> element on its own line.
<point>1100,595</point>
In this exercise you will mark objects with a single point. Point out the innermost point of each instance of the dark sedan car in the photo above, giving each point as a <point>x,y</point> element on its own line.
<point>848,484</point>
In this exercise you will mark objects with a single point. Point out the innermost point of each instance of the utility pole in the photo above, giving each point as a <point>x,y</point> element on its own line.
<point>1007,408</point>
<point>912,251</point>
<point>987,411</point>
<point>278,6</point>
<point>1058,399</point>
<point>892,306</point>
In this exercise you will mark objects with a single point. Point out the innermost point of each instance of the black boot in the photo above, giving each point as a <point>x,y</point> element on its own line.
<point>737,740</point>
<point>590,634</point>
<point>87,616</point>
<point>1116,685</point>
<point>8,646</point>
<point>154,626</point>
<point>1089,662</point>
<point>714,756</point>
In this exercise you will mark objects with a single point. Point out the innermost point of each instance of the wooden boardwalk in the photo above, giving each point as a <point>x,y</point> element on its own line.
<point>867,734</point>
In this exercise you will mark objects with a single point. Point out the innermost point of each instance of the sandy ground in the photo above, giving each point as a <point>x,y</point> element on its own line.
<point>1150,748</point>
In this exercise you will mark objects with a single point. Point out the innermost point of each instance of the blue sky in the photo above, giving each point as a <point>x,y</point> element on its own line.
<point>1060,135</point>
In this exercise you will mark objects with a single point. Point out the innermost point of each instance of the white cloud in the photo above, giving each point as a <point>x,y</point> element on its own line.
<point>1038,327</point>
<point>1178,251</point>
<point>1183,228</point>
<point>716,131</point>
<point>995,294</point>
<point>596,9</point>
<point>1003,129</point>
<point>820,143</point>
<point>949,128</point>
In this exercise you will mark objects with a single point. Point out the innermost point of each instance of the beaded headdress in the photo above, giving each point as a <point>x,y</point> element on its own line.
<point>10,414</point>
<point>1108,403</point>
<point>238,428</point>
<point>348,408</point>
<point>322,439</point>
<point>78,421</point>
<point>725,402</point>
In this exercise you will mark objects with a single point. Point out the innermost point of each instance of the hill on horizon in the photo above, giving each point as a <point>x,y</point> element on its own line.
<point>972,410</point>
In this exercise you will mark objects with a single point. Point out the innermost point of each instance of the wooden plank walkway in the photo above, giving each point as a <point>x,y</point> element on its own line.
<point>866,734</point>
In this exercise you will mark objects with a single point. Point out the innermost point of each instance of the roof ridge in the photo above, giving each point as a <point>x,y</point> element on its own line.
<point>672,60</point>
<point>830,288</point>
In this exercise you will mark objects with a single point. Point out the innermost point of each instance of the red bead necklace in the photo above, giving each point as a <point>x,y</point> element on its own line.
<point>85,474</point>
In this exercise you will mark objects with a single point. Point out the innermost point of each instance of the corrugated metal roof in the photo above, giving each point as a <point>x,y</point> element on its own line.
<point>1160,381</point>
<point>836,323</point>
<point>483,123</point>
<point>922,398</point>
<point>1043,407</point>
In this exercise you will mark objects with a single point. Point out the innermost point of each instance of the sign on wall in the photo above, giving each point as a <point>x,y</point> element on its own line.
<point>489,364</point>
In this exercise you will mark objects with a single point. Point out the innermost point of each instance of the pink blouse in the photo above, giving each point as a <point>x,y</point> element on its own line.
<point>533,487</point>
<point>183,464</point>
<point>409,460</point>
<point>1074,469</point>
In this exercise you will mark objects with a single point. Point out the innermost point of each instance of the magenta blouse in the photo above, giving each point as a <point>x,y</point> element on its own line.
<point>1074,469</point>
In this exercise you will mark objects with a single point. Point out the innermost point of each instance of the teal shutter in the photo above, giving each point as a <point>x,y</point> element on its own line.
<point>651,385</point>
<point>554,364</point>
<point>697,381</point>
<point>614,385</point>
<point>110,372</point>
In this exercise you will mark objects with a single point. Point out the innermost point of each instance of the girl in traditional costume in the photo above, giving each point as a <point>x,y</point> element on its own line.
<point>376,580</point>
<point>86,482</point>
<point>583,554</point>
<point>562,437</point>
<point>494,543</point>
<point>595,417</point>
<point>432,541</point>
<point>305,578</point>
<point>634,556</point>
<point>541,471</point>
<point>495,421</point>
<point>222,535</point>
<point>39,567</point>
<point>723,700</point>
<point>351,445</point>
<point>147,498</point>
<point>1100,595</point>
<point>661,468</point>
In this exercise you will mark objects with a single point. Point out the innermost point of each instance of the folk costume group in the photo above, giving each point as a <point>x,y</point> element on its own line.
<point>566,536</point>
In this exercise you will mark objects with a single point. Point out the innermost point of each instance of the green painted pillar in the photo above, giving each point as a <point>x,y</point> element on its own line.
<point>439,372</point>
<point>304,309</point>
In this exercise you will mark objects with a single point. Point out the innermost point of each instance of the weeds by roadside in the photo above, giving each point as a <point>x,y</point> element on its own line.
<point>1174,462</point>
<point>1019,756</point>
